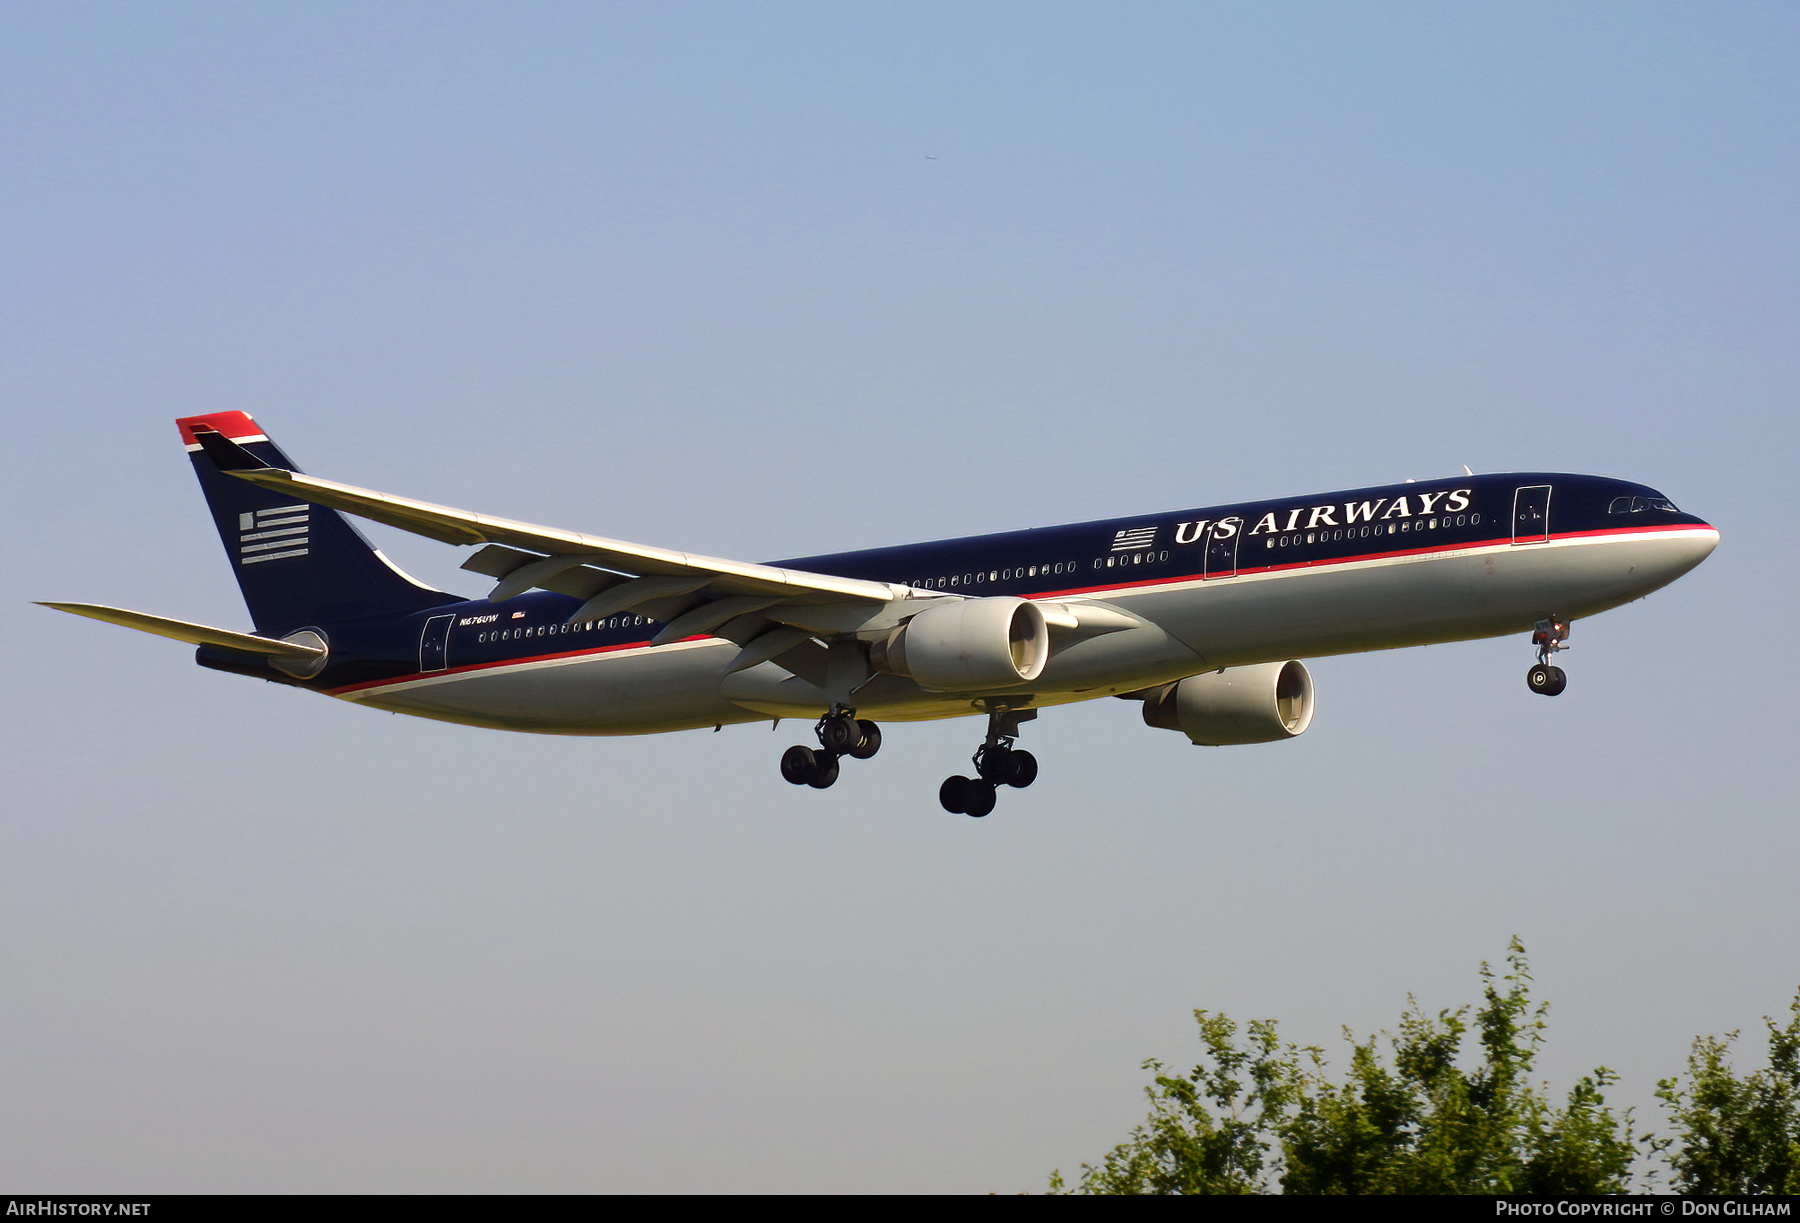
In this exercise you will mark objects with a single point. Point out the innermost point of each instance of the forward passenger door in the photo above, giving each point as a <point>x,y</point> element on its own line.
<point>1222,554</point>
<point>1531,514</point>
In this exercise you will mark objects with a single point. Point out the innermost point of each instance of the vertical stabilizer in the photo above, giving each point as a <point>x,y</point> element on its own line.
<point>297,564</point>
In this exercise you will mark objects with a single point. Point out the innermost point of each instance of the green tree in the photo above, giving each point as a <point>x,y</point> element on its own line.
<point>1407,1119</point>
<point>1187,1147</point>
<point>1420,1123</point>
<point>1736,1135</point>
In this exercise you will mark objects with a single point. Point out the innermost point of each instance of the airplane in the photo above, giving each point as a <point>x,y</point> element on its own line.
<point>1201,615</point>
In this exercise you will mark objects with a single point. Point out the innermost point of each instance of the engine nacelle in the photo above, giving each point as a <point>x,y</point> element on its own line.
<point>968,646</point>
<point>1265,703</point>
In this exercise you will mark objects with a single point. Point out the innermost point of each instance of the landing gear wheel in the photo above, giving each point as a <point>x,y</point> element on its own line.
<point>840,733</point>
<point>871,741</point>
<point>980,799</point>
<point>799,765</point>
<point>825,771</point>
<point>1546,680</point>
<point>953,795</point>
<point>995,764</point>
<point>1007,766</point>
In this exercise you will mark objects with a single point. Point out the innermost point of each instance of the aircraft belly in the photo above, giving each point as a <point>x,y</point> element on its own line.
<point>639,692</point>
<point>1096,666</point>
<point>768,690</point>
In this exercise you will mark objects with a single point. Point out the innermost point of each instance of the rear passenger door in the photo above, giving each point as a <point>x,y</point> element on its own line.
<point>434,643</point>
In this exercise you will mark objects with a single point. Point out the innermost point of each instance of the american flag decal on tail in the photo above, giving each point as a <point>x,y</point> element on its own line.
<point>272,534</point>
<point>1133,538</point>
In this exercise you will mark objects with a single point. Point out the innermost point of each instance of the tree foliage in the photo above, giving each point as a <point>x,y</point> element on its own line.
<point>1736,1135</point>
<point>1426,1110</point>
<point>1186,1146</point>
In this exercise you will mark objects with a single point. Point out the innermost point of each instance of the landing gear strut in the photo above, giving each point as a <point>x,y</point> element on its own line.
<point>840,734</point>
<point>1543,678</point>
<point>997,763</point>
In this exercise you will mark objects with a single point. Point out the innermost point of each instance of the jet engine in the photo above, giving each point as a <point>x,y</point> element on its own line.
<point>968,646</point>
<point>1265,703</point>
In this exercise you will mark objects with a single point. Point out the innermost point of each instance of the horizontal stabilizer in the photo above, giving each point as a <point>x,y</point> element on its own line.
<point>194,634</point>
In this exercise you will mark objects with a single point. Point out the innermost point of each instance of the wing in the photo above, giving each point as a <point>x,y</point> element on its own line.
<point>774,614</point>
<point>692,594</point>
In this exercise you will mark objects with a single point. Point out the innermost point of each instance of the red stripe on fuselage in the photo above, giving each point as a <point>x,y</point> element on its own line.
<point>500,662</point>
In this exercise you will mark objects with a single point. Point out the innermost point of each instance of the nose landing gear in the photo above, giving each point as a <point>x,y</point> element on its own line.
<point>997,763</point>
<point>1543,678</point>
<point>840,734</point>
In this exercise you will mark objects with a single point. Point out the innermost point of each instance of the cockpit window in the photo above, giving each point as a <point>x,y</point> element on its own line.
<point>1637,505</point>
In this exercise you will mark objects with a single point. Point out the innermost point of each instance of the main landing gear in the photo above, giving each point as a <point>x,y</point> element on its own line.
<point>840,734</point>
<point>997,763</point>
<point>1545,679</point>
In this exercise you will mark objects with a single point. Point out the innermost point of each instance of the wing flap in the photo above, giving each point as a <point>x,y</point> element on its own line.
<point>498,560</point>
<point>770,645</point>
<point>709,616</point>
<point>534,575</point>
<point>628,595</point>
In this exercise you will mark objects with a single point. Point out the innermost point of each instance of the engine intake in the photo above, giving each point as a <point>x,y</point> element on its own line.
<point>1264,703</point>
<point>968,646</point>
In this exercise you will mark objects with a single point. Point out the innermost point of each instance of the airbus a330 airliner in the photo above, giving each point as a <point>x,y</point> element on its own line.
<point>1201,615</point>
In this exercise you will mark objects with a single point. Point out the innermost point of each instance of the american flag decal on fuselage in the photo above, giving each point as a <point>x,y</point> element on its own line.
<point>1133,538</point>
<point>272,534</point>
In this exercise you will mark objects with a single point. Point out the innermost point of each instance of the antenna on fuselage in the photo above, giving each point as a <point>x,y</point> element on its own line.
<point>1466,470</point>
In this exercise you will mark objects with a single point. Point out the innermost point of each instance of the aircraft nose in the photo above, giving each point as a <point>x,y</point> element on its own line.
<point>1687,549</point>
<point>1705,539</point>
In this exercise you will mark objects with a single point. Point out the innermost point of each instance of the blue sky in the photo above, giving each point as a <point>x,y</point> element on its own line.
<point>780,280</point>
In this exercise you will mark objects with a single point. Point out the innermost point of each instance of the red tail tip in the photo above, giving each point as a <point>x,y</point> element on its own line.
<point>235,425</point>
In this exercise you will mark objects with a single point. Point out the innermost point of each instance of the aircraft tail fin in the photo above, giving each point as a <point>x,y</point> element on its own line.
<point>297,564</point>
